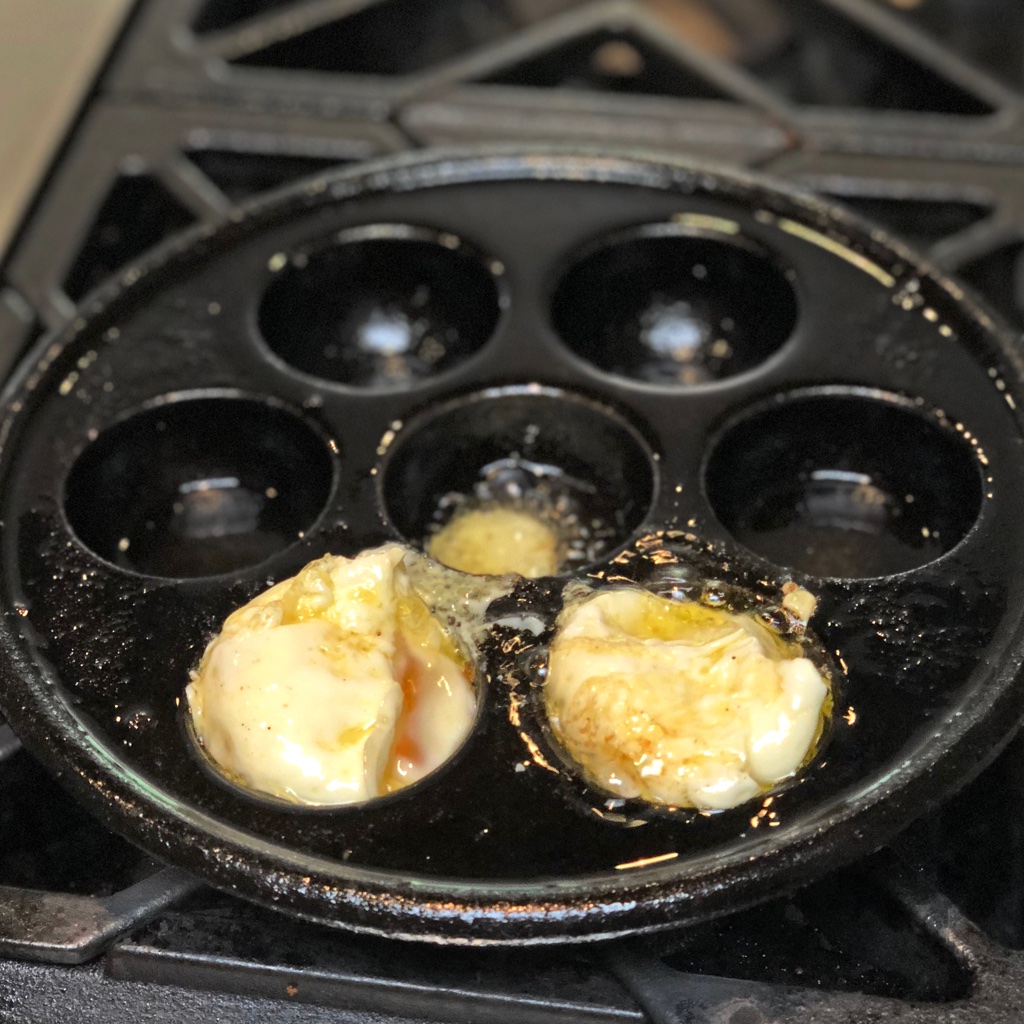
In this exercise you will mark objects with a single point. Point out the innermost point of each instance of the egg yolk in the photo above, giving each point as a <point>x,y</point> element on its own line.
<point>333,687</point>
<point>495,541</point>
<point>680,704</point>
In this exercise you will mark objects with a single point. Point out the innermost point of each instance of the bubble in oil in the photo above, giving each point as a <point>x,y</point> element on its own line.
<point>139,719</point>
<point>532,662</point>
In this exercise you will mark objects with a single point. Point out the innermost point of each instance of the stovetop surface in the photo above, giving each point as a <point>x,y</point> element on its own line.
<point>908,112</point>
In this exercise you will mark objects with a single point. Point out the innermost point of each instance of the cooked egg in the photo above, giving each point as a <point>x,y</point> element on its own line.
<point>498,540</point>
<point>677,703</point>
<point>333,687</point>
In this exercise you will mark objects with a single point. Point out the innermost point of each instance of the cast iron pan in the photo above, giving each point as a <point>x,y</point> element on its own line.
<point>746,383</point>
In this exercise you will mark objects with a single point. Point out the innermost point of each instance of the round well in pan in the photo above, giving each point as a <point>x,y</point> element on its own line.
<point>501,848</point>
<point>198,486</point>
<point>675,305</point>
<point>380,306</point>
<point>567,460</point>
<point>845,483</point>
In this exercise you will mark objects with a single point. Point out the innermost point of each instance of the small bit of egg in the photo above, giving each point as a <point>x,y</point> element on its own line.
<point>680,704</point>
<point>800,603</point>
<point>498,540</point>
<point>333,687</point>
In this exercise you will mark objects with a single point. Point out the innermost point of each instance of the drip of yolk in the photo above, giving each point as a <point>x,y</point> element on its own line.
<point>425,684</point>
<point>407,752</point>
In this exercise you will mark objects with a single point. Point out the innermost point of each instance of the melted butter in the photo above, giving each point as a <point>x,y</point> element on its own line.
<point>458,599</point>
<point>333,687</point>
<point>680,704</point>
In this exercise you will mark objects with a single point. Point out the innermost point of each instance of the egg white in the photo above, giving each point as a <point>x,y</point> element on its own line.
<point>333,687</point>
<point>677,703</point>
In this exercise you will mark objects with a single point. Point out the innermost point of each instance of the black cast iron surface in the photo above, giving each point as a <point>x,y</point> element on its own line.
<point>483,852</point>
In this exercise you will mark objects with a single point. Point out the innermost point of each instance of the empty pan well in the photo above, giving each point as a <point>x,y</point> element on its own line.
<point>666,304</point>
<point>844,485</point>
<point>381,306</point>
<point>198,487</point>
